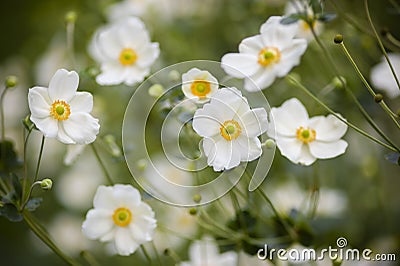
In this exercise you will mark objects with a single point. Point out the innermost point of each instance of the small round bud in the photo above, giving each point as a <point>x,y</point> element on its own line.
<point>141,164</point>
<point>378,98</point>
<point>92,71</point>
<point>270,144</point>
<point>192,211</point>
<point>337,262</point>
<point>156,90</point>
<point>338,39</point>
<point>167,252</point>
<point>11,81</point>
<point>197,198</point>
<point>46,184</point>
<point>70,17</point>
<point>339,82</point>
<point>174,75</point>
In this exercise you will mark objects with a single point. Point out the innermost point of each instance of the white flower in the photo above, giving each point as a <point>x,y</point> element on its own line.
<point>382,77</point>
<point>120,216</point>
<point>128,8</point>
<point>302,139</point>
<point>230,129</point>
<point>206,253</point>
<point>303,28</point>
<point>124,51</point>
<point>199,85</point>
<point>263,58</point>
<point>61,112</point>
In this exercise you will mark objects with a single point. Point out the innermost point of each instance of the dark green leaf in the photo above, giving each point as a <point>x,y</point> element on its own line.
<point>33,204</point>
<point>393,157</point>
<point>10,212</point>
<point>17,185</point>
<point>327,17</point>
<point>316,6</point>
<point>8,158</point>
<point>290,19</point>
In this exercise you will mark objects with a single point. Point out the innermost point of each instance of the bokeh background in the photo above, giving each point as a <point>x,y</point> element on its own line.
<point>359,196</point>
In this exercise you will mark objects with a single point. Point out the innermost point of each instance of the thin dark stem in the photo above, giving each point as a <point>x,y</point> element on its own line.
<point>39,159</point>
<point>102,165</point>
<point>146,254</point>
<point>3,94</point>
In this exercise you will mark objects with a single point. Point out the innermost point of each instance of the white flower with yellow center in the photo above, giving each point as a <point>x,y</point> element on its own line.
<point>382,77</point>
<point>206,253</point>
<point>302,139</point>
<point>61,112</point>
<point>199,85</point>
<point>120,216</point>
<point>124,51</point>
<point>303,28</point>
<point>263,58</point>
<point>230,129</point>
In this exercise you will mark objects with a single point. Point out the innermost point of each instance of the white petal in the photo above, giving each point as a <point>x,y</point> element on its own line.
<point>138,234</point>
<point>132,33</point>
<point>327,128</point>
<point>306,158</point>
<point>63,85</point>
<point>382,77</point>
<point>97,223</point>
<point>251,45</point>
<point>255,122</point>
<point>82,102</point>
<point>126,195</point>
<point>109,45</point>
<point>261,80</point>
<point>111,74</point>
<point>288,117</point>
<point>39,102</point>
<point>124,242</point>
<point>227,259</point>
<point>229,101</point>
<point>104,198</point>
<point>147,55</point>
<point>290,56</point>
<point>219,152</point>
<point>63,136</point>
<point>273,33</point>
<point>326,150</point>
<point>240,65</point>
<point>48,126</point>
<point>248,148</point>
<point>81,127</point>
<point>204,251</point>
<point>290,148</point>
<point>73,152</point>
<point>134,74</point>
<point>205,123</point>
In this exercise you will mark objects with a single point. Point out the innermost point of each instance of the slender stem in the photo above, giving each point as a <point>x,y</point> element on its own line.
<point>392,39</point>
<point>40,232</point>
<point>380,43</point>
<point>354,98</point>
<point>102,165</point>
<point>3,134</point>
<point>314,194</point>
<point>382,103</point>
<point>25,184</point>
<point>156,252</point>
<point>39,159</point>
<point>299,85</point>
<point>4,186</point>
<point>29,195</point>
<point>146,254</point>
<point>70,42</point>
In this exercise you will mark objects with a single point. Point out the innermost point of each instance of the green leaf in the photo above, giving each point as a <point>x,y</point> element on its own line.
<point>8,158</point>
<point>33,204</point>
<point>316,6</point>
<point>290,19</point>
<point>327,17</point>
<point>393,157</point>
<point>16,185</point>
<point>9,211</point>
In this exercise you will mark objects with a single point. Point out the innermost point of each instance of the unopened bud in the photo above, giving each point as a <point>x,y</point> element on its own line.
<point>71,17</point>
<point>270,144</point>
<point>28,124</point>
<point>11,81</point>
<point>113,146</point>
<point>174,75</point>
<point>192,211</point>
<point>378,98</point>
<point>339,82</point>
<point>156,90</point>
<point>141,164</point>
<point>338,39</point>
<point>197,198</point>
<point>46,184</point>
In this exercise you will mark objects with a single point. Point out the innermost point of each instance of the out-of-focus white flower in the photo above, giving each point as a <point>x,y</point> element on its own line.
<point>382,76</point>
<point>124,52</point>
<point>199,85</point>
<point>205,252</point>
<point>73,151</point>
<point>247,260</point>
<point>128,8</point>
<point>61,112</point>
<point>265,57</point>
<point>120,216</point>
<point>304,30</point>
<point>230,129</point>
<point>302,139</point>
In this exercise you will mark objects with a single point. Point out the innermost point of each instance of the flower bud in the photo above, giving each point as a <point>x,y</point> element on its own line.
<point>141,164</point>
<point>378,98</point>
<point>339,82</point>
<point>11,81</point>
<point>46,184</point>
<point>269,144</point>
<point>156,90</point>
<point>174,75</point>
<point>197,198</point>
<point>28,124</point>
<point>113,146</point>
<point>192,211</point>
<point>70,17</point>
<point>338,39</point>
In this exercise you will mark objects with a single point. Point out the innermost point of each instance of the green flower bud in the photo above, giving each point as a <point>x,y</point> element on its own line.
<point>113,146</point>
<point>11,81</point>
<point>28,124</point>
<point>156,90</point>
<point>71,16</point>
<point>337,262</point>
<point>378,98</point>
<point>174,75</point>
<point>46,184</point>
<point>192,211</point>
<point>338,82</point>
<point>338,39</point>
<point>270,144</point>
<point>197,198</point>
<point>141,164</point>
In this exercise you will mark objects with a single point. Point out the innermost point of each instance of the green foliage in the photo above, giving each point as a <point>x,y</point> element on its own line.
<point>8,158</point>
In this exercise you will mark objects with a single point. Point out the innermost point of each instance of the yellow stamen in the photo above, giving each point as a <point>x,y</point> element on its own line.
<point>269,55</point>
<point>122,217</point>
<point>60,110</point>
<point>127,57</point>
<point>230,130</point>
<point>200,88</point>
<point>306,135</point>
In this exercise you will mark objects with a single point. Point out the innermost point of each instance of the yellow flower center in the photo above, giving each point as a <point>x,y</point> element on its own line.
<point>127,57</point>
<point>306,135</point>
<point>269,55</point>
<point>122,217</point>
<point>230,130</point>
<point>60,110</point>
<point>200,88</point>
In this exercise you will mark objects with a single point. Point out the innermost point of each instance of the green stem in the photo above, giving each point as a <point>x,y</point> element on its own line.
<point>300,86</point>
<point>29,195</point>
<point>314,198</point>
<point>89,258</point>
<point>2,114</point>
<point>392,39</point>
<point>70,43</point>
<point>102,165</point>
<point>382,103</point>
<point>380,43</point>
<point>146,254</point>
<point>39,159</point>
<point>25,184</point>
<point>40,232</point>
<point>156,253</point>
